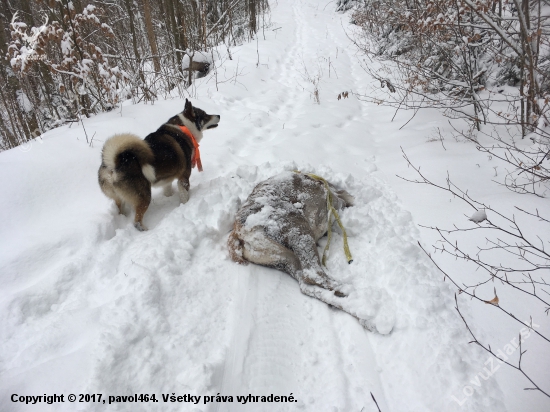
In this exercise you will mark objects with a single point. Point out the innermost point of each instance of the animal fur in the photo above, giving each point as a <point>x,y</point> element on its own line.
<point>200,67</point>
<point>279,225</point>
<point>130,165</point>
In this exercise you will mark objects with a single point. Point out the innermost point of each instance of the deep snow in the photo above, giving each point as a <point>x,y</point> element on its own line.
<point>90,305</point>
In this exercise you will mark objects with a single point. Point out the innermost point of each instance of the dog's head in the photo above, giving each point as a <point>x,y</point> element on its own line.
<point>199,117</point>
<point>195,119</point>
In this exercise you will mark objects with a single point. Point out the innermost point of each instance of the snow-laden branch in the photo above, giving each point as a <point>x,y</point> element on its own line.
<point>502,34</point>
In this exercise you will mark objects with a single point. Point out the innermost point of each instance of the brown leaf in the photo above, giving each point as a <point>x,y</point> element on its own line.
<point>493,301</point>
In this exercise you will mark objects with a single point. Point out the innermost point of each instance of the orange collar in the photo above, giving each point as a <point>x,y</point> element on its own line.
<point>196,158</point>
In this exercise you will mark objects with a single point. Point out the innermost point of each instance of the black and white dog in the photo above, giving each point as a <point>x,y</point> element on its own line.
<point>130,165</point>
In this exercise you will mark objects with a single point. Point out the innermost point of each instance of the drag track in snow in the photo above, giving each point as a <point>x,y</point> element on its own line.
<point>90,305</point>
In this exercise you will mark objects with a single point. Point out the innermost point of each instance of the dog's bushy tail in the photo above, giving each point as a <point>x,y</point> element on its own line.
<point>127,152</point>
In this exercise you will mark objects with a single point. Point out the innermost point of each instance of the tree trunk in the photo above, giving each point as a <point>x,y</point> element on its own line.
<point>252,23</point>
<point>171,12</point>
<point>132,29</point>
<point>151,34</point>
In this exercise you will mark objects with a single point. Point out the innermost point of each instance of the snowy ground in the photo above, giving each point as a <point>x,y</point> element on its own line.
<point>89,305</point>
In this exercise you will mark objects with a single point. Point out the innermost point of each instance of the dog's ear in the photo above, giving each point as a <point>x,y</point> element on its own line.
<point>188,111</point>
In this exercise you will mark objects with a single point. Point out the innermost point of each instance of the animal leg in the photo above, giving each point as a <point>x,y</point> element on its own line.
<point>138,220</point>
<point>318,277</point>
<point>168,190</point>
<point>118,203</point>
<point>235,246</point>
<point>332,300</point>
<point>256,246</point>
<point>141,206</point>
<point>183,188</point>
<point>297,236</point>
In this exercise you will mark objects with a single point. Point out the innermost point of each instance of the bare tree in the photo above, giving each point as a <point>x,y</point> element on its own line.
<point>151,34</point>
<point>71,58</point>
<point>500,238</point>
<point>456,54</point>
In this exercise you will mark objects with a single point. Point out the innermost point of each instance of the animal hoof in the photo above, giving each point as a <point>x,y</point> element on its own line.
<point>339,294</point>
<point>309,281</point>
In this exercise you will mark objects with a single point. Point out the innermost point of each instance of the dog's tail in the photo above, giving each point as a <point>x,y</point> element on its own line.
<point>128,153</point>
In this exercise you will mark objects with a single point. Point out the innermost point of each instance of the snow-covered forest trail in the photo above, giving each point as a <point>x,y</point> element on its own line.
<point>90,305</point>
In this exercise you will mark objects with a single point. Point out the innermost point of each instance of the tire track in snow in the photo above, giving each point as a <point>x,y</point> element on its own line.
<point>261,336</point>
<point>242,324</point>
<point>263,349</point>
<point>248,345</point>
<point>275,322</point>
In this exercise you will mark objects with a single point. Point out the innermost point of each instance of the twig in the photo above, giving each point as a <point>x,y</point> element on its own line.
<point>374,399</point>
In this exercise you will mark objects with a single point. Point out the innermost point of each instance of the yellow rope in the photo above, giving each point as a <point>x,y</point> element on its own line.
<point>331,212</point>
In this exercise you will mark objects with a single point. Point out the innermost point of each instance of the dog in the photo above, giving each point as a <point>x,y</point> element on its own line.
<point>130,165</point>
<point>279,225</point>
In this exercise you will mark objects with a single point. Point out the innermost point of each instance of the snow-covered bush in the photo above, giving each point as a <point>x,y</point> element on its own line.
<point>344,5</point>
<point>66,59</point>
<point>456,55</point>
<point>83,76</point>
<point>484,61</point>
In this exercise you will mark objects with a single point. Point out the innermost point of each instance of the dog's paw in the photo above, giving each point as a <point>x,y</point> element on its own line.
<point>140,226</point>
<point>184,195</point>
<point>168,190</point>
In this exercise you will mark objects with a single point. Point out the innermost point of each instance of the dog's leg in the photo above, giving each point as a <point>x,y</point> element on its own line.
<point>141,208</point>
<point>118,203</point>
<point>141,204</point>
<point>168,190</point>
<point>183,187</point>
